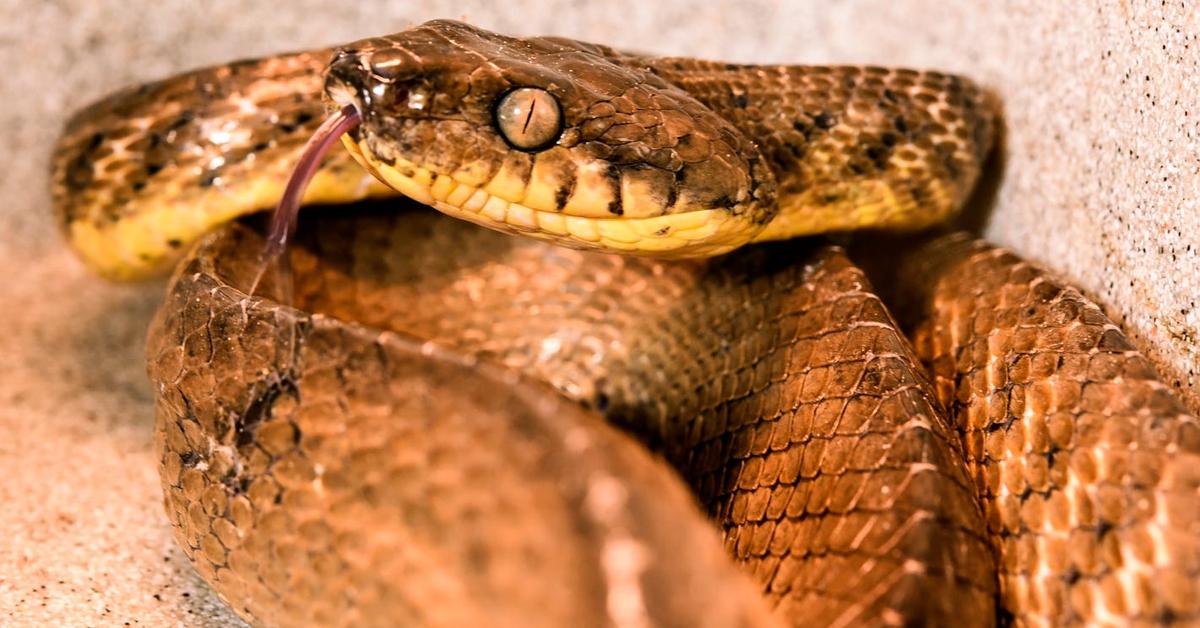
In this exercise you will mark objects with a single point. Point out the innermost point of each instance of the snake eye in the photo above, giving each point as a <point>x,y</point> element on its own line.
<point>529,118</point>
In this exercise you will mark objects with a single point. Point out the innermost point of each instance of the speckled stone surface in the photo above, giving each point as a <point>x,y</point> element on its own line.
<point>1099,180</point>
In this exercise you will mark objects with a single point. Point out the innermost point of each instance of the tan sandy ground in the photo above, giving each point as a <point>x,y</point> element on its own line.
<point>1101,180</point>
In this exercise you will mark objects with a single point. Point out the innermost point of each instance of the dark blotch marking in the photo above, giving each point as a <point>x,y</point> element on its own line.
<point>565,190</point>
<point>302,119</point>
<point>1112,340</point>
<point>78,174</point>
<point>79,171</point>
<point>785,157</point>
<point>259,409</point>
<point>890,95</point>
<point>950,163</point>
<point>740,101</point>
<point>616,207</point>
<point>919,194</point>
<point>879,156</point>
<point>900,125</point>
<point>183,120</point>
<point>174,243</point>
<point>724,201</point>
<point>672,196</point>
<point>525,169</point>
<point>824,120</point>
<point>208,178</point>
<point>662,232</point>
<point>1072,575</point>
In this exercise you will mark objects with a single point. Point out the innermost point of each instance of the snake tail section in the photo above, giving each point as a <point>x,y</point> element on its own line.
<point>140,175</point>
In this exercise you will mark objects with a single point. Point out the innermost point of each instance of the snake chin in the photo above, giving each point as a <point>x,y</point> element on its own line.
<point>699,233</point>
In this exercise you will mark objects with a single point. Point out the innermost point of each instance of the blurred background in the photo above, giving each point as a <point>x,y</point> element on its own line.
<point>1099,179</point>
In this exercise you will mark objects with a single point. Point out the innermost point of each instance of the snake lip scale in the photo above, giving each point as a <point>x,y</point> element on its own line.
<point>662,406</point>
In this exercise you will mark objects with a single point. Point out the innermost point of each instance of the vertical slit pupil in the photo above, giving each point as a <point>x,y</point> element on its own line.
<point>529,118</point>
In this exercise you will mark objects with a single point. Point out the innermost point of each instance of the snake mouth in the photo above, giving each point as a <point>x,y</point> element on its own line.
<point>343,98</point>
<point>698,233</point>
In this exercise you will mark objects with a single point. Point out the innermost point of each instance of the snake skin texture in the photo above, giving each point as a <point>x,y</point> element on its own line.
<point>658,156</point>
<point>325,474</point>
<point>434,425</point>
<point>1088,465</point>
<point>851,146</point>
<point>773,380</point>
<point>138,176</point>
<point>766,152</point>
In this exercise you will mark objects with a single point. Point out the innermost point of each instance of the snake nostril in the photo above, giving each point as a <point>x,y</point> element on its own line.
<point>347,82</point>
<point>347,66</point>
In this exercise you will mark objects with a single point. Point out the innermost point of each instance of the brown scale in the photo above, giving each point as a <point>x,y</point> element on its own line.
<point>1088,465</point>
<point>688,134</point>
<point>825,128</point>
<point>774,380</point>
<point>212,129</point>
<point>361,476</point>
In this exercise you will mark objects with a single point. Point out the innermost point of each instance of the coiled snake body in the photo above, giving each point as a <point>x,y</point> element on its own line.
<point>426,434</point>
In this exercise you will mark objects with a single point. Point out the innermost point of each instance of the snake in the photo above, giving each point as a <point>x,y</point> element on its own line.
<point>676,400</point>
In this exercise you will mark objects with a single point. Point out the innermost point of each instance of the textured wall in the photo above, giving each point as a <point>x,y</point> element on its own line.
<point>1100,181</point>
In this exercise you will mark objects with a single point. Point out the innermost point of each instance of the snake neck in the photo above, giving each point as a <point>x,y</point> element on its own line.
<point>850,146</point>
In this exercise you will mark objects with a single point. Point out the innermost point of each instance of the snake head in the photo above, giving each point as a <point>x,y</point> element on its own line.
<point>566,141</point>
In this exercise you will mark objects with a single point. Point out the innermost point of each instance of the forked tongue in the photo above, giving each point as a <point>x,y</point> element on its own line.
<point>284,218</point>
